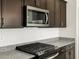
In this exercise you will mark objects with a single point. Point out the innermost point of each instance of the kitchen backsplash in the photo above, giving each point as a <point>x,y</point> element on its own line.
<point>22,35</point>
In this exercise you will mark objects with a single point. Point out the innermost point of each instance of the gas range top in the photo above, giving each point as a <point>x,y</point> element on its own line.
<point>37,48</point>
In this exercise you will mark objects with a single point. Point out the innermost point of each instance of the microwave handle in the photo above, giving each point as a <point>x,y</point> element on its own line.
<point>46,18</point>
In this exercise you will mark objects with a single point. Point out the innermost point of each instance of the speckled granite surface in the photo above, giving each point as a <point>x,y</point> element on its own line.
<point>59,42</point>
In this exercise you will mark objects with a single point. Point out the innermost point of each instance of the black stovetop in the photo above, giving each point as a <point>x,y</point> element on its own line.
<point>37,48</point>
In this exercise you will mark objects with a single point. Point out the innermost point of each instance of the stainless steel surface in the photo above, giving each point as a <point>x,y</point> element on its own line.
<point>54,56</point>
<point>46,18</point>
<point>30,16</point>
<point>37,9</point>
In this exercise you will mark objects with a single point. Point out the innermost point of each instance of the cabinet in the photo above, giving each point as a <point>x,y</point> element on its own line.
<point>11,13</point>
<point>57,15</point>
<point>57,10</point>
<point>72,53</point>
<point>51,15</point>
<point>0,13</point>
<point>41,4</point>
<point>30,2</point>
<point>60,13</point>
<point>37,3</point>
<point>62,53</point>
<point>63,13</point>
<point>67,53</point>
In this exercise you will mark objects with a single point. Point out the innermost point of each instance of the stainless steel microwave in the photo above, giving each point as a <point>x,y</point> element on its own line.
<point>36,17</point>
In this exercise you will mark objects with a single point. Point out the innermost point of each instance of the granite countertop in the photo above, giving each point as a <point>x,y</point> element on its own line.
<point>14,54</point>
<point>58,42</point>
